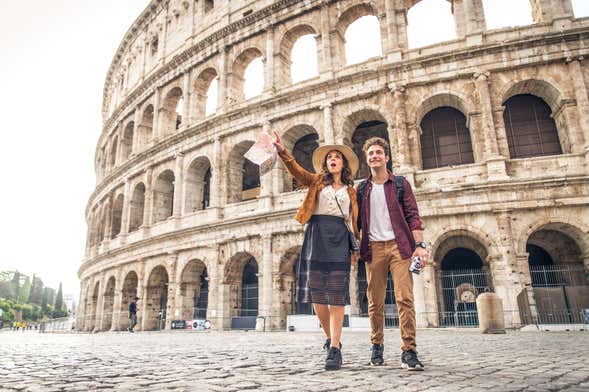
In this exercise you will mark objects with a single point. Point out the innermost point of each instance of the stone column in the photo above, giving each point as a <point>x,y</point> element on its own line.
<point>81,310</point>
<point>557,12</point>
<point>581,95</point>
<point>393,47</point>
<point>186,110</point>
<point>326,62</point>
<point>223,84</point>
<point>135,148</point>
<point>156,116</point>
<point>266,292</point>
<point>496,169</point>
<point>126,212</point>
<point>117,313</point>
<point>178,186</point>
<point>269,82</point>
<point>141,284</point>
<point>216,175</point>
<point>428,276</point>
<point>98,318</point>
<point>173,290</point>
<point>266,179</point>
<point>148,203</point>
<point>470,20</point>
<point>419,301</point>
<point>398,133</point>
<point>328,132</point>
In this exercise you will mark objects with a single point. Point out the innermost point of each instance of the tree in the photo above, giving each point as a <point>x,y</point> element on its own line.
<point>25,290</point>
<point>16,286</point>
<point>36,295</point>
<point>59,301</point>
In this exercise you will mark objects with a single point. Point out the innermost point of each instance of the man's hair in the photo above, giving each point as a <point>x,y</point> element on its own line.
<point>378,141</point>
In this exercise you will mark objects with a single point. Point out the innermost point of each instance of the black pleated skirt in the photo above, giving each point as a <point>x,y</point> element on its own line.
<point>323,273</point>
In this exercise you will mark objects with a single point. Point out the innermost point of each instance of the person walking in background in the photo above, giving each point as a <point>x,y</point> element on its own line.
<point>323,272</point>
<point>133,314</point>
<point>392,234</point>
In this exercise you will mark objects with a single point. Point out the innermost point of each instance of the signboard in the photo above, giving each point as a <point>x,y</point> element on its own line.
<point>178,324</point>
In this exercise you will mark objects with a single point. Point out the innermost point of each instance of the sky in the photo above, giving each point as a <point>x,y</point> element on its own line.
<point>55,56</point>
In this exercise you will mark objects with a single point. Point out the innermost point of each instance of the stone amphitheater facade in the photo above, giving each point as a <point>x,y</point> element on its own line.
<point>171,217</point>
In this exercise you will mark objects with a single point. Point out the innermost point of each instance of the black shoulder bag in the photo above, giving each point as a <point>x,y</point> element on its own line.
<point>354,244</point>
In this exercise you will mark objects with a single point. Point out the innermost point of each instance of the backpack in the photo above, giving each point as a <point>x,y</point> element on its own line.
<point>398,185</point>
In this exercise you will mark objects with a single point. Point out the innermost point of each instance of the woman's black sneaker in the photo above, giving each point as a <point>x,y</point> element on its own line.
<point>377,352</point>
<point>409,361</point>
<point>334,359</point>
<point>327,345</point>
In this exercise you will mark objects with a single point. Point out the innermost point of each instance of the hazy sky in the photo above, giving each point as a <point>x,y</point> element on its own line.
<point>55,55</point>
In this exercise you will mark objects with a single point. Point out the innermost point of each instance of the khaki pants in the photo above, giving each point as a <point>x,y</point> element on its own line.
<point>385,258</point>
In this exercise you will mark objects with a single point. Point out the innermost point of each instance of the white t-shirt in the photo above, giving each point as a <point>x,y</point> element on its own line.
<point>380,220</point>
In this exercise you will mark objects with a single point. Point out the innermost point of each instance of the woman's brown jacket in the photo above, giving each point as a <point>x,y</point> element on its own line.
<point>315,184</point>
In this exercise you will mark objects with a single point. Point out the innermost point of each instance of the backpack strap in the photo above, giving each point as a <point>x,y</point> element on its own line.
<point>400,189</point>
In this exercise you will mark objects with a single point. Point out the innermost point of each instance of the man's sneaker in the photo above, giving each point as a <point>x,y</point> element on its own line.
<point>377,351</point>
<point>334,359</point>
<point>327,344</point>
<point>409,361</point>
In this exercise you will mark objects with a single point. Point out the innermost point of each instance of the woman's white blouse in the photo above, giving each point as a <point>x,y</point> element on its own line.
<point>327,205</point>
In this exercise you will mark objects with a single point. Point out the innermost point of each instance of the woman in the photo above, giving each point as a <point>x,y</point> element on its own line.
<point>323,274</point>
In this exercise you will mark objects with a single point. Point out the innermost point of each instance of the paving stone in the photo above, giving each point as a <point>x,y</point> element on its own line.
<point>230,361</point>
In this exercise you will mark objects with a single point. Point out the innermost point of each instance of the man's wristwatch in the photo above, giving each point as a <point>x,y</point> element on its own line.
<point>421,244</point>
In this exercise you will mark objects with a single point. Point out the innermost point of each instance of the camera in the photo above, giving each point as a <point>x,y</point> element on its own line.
<point>416,265</point>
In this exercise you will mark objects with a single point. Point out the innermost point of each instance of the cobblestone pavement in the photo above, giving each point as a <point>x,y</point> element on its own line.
<point>233,361</point>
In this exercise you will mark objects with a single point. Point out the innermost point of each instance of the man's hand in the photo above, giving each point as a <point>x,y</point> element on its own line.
<point>423,254</point>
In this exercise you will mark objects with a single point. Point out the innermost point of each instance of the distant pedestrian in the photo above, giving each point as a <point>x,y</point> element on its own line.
<point>133,314</point>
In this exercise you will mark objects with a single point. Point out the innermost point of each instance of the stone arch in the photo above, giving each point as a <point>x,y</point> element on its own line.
<point>349,16</point>
<point>129,292</point>
<point>201,90</point>
<point>127,141</point>
<point>194,290</point>
<point>416,13</point>
<point>241,275</point>
<point>102,225</point>
<point>285,46</point>
<point>108,306</point>
<point>117,216</point>
<point>145,126</point>
<point>577,231</point>
<point>156,298</point>
<point>485,240</point>
<point>287,278</point>
<point>544,89</point>
<point>441,99</point>
<point>163,196</point>
<point>197,185</point>
<point>242,61</point>
<point>292,139</point>
<point>137,206</point>
<point>171,116</point>
<point>360,126</point>
<point>243,177</point>
<point>462,273</point>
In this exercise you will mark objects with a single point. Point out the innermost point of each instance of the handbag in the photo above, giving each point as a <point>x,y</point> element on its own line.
<point>354,244</point>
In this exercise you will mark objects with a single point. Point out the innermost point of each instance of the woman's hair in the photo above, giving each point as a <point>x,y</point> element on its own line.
<point>327,177</point>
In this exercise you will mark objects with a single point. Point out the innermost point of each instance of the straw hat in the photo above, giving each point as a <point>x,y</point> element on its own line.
<point>321,152</point>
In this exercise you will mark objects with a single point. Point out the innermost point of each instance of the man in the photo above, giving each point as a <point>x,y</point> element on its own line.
<point>392,235</point>
<point>133,314</point>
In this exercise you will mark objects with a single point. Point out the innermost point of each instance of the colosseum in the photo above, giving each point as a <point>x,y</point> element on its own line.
<point>490,127</point>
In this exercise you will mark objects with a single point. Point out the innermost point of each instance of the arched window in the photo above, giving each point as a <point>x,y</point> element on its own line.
<point>303,154</point>
<point>430,22</point>
<point>127,141</point>
<point>520,13</point>
<point>445,139</point>
<point>304,58</point>
<point>163,200</point>
<point>212,97</point>
<point>253,83</point>
<point>117,216</point>
<point>531,131</point>
<point>363,40</point>
<point>137,207</point>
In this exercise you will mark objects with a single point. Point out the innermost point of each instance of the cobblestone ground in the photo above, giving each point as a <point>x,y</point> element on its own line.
<point>234,361</point>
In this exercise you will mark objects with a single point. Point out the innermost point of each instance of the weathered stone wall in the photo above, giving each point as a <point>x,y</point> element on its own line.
<point>176,48</point>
